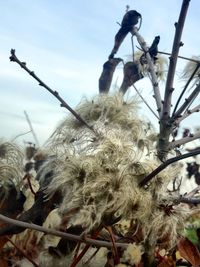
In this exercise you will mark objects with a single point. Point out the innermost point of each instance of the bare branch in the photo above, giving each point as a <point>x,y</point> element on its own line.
<point>185,58</point>
<point>184,140</point>
<point>187,200</point>
<point>193,192</point>
<point>97,243</point>
<point>54,93</point>
<point>17,136</point>
<point>173,60</point>
<point>187,102</point>
<point>185,88</point>
<point>164,165</point>
<point>165,122</point>
<point>31,128</point>
<point>187,113</point>
<point>156,88</point>
<point>145,102</point>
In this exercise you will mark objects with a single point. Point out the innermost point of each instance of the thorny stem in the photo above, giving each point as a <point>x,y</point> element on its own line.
<point>164,165</point>
<point>187,102</point>
<point>54,93</point>
<point>97,243</point>
<point>22,252</point>
<point>165,124</point>
<point>184,140</point>
<point>156,89</point>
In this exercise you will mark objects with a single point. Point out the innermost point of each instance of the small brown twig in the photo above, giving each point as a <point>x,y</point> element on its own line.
<point>54,93</point>
<point>85,249</point>
<point>164,165</point>
<point>27,177</point>
<point>116,255</point>
<point>97,243</point>
<point>22,252</point>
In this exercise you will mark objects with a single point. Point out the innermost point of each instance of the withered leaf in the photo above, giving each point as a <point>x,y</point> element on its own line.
<point>189,251</point>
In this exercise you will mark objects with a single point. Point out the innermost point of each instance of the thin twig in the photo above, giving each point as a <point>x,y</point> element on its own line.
<point>164,165</point>
<point>54,93</point>
<point>184,140</point>
<point>154,79</point>
<point>145,102</point>
<point>27,176</point>
<point>187,102</point>
<point>85,249</point>
<point>20,135</point>
<point>31,128</point>
<point>185,58</point>
<point>187,113</point>
<point>193,192</point>
<point>185,88</point>
<point>97,243</point>
<point>22,252</point>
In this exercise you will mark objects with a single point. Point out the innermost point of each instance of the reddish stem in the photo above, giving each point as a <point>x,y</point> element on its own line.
<point>22,252</point>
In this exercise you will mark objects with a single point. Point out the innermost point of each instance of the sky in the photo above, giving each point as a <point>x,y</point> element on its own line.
<point>66,43</point>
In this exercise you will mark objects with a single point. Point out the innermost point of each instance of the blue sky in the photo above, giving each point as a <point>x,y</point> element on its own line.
<point>66,43</point>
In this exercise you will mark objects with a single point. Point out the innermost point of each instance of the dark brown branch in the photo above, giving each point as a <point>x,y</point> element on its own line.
<point>164,165</point>
<point>97,243</point>
<point>54,93</point>
<point>165,123</point>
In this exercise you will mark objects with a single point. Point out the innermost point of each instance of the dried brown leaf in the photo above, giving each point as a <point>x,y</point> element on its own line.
<point>189,251</point>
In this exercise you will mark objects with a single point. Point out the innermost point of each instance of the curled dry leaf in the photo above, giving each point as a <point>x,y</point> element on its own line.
<point>189,251</point>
